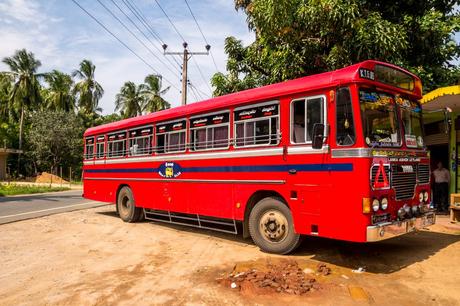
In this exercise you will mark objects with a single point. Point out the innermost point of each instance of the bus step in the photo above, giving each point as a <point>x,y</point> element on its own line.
<point>198,221</point>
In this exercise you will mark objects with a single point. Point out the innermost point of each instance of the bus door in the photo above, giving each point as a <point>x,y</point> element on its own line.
<point>309,169</point>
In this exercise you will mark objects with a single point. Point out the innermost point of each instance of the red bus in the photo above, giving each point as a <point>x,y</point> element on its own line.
<point>338,155</point>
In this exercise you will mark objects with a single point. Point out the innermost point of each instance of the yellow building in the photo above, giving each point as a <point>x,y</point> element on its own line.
<point>443,132</point>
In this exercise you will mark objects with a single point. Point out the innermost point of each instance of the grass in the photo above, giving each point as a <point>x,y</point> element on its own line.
<point>12,189</point>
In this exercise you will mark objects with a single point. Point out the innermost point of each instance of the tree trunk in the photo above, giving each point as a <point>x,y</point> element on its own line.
<point>21,122</point>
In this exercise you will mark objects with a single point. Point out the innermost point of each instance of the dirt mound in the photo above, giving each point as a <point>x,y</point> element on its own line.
<point>46,177</point>
<point>283,277</point>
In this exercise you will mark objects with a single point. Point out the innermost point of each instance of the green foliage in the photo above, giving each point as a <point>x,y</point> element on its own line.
<point>54,139</point>
<point>88,90</point>
<point>129,101</point>
<point>295,38</point>
<point>25,93</point>
<point>152,92</point>
<point>133,100</point>
<point>58,95</point>
<point>13,189</point>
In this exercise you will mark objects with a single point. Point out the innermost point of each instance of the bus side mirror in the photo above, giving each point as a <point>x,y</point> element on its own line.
<point>318,136</point>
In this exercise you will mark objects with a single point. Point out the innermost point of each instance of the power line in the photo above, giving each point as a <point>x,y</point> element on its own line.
<point>120,41</point>
<point>202,35</point>
<point>205,95</point>
<point>170,21</point>
<point>193,92</point>
<point>132,33</point>
<point>183,39</point>
<point>138,14</point>
<point>201,73</point>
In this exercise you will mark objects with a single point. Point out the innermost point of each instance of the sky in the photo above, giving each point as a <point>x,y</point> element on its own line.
<point>61,35</point>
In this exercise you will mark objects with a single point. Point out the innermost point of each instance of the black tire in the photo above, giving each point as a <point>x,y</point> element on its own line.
<point>126,206</point>
<point>272,228</point>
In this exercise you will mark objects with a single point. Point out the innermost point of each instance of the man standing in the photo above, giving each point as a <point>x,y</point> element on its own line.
<point>441,186</point>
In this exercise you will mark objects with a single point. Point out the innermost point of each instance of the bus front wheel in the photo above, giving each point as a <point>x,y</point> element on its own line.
<point>126,206</point>
<point>271,227</point>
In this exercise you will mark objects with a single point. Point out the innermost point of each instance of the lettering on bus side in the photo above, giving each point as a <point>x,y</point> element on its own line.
<point>170,127</point>
<point>169,170</point>
<point>257,112</point>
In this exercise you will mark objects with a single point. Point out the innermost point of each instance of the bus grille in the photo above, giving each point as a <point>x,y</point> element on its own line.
<point>423,173</point>
<point>403,182</point>
<point>374,170</point>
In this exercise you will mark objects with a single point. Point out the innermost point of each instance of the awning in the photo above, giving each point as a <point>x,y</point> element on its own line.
<point>441,98</point>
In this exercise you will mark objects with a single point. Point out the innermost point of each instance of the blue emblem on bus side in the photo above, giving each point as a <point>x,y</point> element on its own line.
<point>169,170</point>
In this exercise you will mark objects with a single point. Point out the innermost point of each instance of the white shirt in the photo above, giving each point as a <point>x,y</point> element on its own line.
<point>441,175</point>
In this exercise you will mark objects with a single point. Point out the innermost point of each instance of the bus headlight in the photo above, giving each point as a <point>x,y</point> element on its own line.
<point>420,197</point>
<point>425,196</point>
<point>384,203</point>
<point>401,213</point>
<point>375,205</point>
<point>406,208</point>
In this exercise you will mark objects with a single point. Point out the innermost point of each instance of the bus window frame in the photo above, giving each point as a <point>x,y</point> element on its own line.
<point>291,117</point>
<point>166,135</point>
<point>270,136</point>
<point>193,130</point>
<point>103,146</point>
<point>353,116</point>
<point>125,146</point>
<point>150,149</point>
<point>85,155</point>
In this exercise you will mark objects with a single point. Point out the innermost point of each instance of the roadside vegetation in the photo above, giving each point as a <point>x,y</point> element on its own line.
<point>44,114</point>
<point>298,38</point>
<point>14,189</point>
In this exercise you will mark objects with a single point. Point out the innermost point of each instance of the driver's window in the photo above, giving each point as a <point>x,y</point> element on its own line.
<point>305,113</point>
<point>345,134</point>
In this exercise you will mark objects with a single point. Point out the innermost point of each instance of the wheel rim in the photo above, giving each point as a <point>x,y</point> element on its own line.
<point>273,226</point>
<point>125,205</point>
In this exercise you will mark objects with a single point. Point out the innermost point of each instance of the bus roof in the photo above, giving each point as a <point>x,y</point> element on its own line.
<point>348,74</point>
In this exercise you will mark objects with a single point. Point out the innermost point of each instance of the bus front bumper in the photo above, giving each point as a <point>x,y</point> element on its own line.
<point>392,229</point>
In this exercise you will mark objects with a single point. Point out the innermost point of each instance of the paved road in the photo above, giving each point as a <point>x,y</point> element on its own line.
<point>31,206</point>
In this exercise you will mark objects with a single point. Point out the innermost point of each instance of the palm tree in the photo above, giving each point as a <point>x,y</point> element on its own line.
<point>59,95</point>
<point>5,91</point>
<point>152,92</point>
<point>25,93</point>
<point>88,91</point>
<point>129,100</point>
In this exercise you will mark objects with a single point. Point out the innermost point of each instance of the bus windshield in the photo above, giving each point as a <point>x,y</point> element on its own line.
<point>380,124</point>
<point>411,119</point>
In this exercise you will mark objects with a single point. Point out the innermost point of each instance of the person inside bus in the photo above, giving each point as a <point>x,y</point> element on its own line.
<point>441,187</point>
<point>299,128</point>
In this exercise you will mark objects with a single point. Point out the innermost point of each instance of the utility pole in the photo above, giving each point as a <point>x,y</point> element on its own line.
<point>186,56</point>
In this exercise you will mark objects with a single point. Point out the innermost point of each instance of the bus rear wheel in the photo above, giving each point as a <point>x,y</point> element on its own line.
<point>271,227</point>
<point>126,206</point>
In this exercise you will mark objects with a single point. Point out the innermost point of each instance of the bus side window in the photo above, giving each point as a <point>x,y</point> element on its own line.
<point>100,149</point>
<point>257,125</point>
<point>345,134</point>
<point>89,148</point>
<point>160,143</point>
<point>140,141</point>
<point>304,114</point>
<point>116,145</point>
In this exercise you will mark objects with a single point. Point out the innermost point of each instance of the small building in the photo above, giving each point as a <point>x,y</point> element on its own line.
<point>441,109</point>
<point>4,152</point>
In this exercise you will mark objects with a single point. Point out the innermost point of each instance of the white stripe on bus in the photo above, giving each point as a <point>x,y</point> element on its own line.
<point>214,155</point>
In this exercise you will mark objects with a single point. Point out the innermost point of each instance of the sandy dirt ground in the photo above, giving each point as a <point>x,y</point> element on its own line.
<point>91,257</point>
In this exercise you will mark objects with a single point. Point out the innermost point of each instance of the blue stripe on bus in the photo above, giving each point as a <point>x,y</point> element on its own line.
<point>262,168</point>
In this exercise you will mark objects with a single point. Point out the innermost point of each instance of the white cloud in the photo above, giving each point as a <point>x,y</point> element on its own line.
<point>61,35</point>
